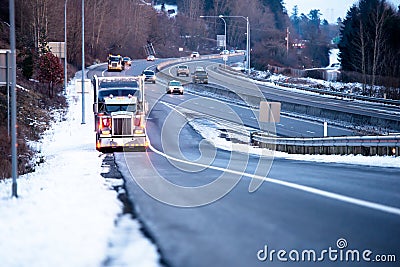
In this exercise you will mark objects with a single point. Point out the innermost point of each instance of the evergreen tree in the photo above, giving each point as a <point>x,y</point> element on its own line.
<point>276,6</point>
<point>295,19</point>
<point>369,40</point>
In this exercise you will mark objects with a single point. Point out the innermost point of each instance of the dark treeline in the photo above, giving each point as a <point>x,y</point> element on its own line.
<point>126,26</point>
<point>370,42</point>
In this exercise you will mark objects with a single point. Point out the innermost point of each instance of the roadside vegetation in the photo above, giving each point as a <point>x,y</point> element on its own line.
<point>39,78</point>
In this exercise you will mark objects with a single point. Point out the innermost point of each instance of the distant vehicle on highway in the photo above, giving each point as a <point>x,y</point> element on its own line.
<point>127,61</point>
<point>149,76</point>
<point>224,52</point>
<point>115,63</point>
<point>200,76</point>
<point>238,66</point>
<point>232,51</point>
<point>174,87</point>
<point>182,70</point>
<point>151,58</point>
<point>199,68</point>
<point>195,54</point>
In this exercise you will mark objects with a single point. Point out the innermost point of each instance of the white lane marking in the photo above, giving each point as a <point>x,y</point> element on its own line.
<point>304,188</point>
<point>102,73</point>
<point>308,189</point>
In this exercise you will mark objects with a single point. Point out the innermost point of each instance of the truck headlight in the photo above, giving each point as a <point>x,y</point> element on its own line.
<point>139,131</point>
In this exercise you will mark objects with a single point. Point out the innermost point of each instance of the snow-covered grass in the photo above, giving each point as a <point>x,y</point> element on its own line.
<point>67,214</point>
<point>209,131</point>
<point>353,88</point>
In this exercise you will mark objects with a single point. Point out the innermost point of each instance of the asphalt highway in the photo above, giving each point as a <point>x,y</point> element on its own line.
<point>271,93</point>
<point>315,214</point>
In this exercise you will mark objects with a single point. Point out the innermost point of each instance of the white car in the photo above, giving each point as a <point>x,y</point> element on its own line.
<point>149,76</point>
<point>174,87</point>
<point>127,61</point>
<point>195,54</point>
<point>151,58</point>
<point>238,66</point>
<point>182,70</point>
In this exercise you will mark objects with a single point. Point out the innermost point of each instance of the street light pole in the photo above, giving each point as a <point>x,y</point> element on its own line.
<point>221,17</point>
<point>247,39</point>
<point>247,34</point>
<point>14,162</point>
<point>83,62</point>
<point>65,46</point>
<point>248,45</point>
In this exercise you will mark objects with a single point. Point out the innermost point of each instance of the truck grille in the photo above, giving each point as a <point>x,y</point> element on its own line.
<point>122,126</point>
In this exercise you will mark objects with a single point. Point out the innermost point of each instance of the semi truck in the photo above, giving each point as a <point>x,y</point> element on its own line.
<point>115,62</point>
<point>120,113</point>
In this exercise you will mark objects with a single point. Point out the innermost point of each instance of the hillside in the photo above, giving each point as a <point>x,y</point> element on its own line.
<point>34,114</point>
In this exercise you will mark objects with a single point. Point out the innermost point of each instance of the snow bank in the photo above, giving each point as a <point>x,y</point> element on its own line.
<point>66,212</point>
<point>210,132</point>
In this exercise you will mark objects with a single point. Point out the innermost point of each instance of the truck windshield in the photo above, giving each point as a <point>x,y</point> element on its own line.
<point>118,92</point>
<point>114,58</point>
<point>175,83</point>
<point>131,84</point>
<point>201,73</point>
<point>115,108</point>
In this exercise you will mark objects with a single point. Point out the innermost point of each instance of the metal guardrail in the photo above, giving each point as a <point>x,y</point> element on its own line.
<point>367,141</point>
<point>366,145</point>
<point>340,94</point>
<point>327,92</point>
<point>164,64</point>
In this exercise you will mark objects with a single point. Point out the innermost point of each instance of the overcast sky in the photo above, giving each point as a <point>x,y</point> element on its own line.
<point>330,9</point>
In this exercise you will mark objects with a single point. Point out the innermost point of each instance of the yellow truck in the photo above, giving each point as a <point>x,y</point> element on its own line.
<point>115,63</point>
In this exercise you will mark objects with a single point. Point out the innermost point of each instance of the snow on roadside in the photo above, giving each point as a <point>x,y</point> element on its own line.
<point>209,131</point>
<point>66,212</point>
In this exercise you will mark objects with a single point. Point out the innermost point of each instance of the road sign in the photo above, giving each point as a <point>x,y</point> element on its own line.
<point>221,40</point>
<point>3,65</point>
<point>57,48</point>
<point>78,86</point>
<point>270,112</point>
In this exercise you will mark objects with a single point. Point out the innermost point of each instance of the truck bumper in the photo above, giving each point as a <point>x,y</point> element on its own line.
<point>131,143</point>
<point>115,68</point>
